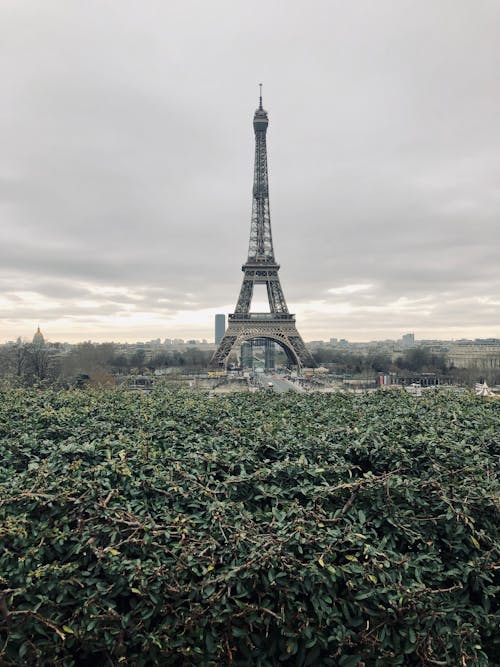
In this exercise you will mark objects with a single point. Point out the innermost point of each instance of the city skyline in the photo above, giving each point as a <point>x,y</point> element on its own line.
<point>125,175</point>
<point>406,339</point>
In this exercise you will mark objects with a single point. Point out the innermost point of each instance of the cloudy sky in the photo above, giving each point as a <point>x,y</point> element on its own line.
<point>126,164</point>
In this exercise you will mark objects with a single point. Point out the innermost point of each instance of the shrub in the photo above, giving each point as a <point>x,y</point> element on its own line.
<point>178,529</point>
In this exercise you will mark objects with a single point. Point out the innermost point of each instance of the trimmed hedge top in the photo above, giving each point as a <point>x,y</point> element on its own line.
<point>178,529</point>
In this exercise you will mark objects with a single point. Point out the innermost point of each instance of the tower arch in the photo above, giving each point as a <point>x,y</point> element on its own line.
<point>275,338</point>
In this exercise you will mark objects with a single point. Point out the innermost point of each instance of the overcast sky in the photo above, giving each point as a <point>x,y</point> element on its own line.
<point>126,163</point>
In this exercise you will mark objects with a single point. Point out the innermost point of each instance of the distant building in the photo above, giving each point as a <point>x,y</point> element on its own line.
<point>408,340</point>
<point>38,338</point>
<point>220,327</point>
<point>480,354</point>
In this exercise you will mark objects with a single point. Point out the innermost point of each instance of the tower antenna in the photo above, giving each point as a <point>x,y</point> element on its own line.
<point>260,96</point>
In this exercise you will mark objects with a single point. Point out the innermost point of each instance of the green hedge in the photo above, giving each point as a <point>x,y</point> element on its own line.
<point>179,529</point>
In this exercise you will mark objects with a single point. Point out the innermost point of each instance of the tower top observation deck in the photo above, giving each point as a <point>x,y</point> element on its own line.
<point>260,119</point>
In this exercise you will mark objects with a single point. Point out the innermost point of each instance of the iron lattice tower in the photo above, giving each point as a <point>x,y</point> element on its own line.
<point>261,269</point>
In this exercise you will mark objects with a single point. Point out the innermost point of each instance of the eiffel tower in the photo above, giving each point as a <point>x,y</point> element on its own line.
<point>261,269</point>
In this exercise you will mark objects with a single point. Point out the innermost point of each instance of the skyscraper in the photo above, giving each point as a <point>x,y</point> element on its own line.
<point>220,327</point>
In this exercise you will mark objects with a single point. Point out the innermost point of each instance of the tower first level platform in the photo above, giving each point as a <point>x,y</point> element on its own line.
<point>280,328</point>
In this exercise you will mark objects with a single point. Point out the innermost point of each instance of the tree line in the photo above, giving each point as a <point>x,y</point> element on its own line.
<point>415,360</point>
<point>28,364</point>
<point>412,361</point>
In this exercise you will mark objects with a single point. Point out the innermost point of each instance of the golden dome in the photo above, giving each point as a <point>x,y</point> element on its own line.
<point>38,337</point>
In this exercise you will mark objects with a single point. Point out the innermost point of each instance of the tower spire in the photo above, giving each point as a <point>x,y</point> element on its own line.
<point>260,97</point>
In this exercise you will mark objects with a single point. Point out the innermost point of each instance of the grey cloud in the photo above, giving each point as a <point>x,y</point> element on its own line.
<point>127,152</point>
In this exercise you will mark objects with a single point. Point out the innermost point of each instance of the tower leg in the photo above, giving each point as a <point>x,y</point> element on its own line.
<point>269,354</point>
